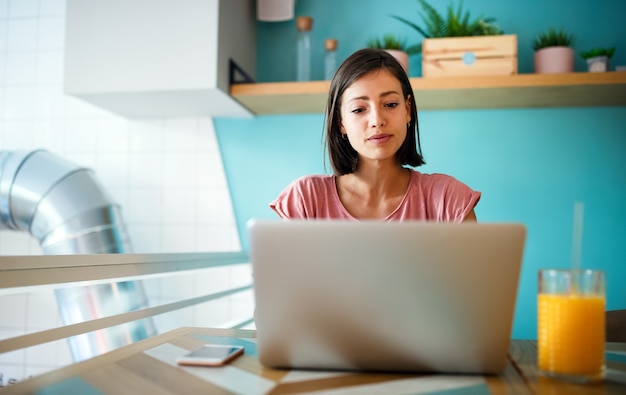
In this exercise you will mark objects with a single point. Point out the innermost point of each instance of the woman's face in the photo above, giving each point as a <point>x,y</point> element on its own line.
<point>374,115</point>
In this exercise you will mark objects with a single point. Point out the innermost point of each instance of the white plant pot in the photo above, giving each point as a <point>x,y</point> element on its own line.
<point>402,57</point>
<point>553,60</point>
<point>598,64</point>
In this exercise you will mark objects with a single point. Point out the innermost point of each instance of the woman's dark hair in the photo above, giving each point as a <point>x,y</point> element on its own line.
<point>343,158</point>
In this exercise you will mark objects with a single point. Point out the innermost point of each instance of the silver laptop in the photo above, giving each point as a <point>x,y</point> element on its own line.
<point>385,296</point>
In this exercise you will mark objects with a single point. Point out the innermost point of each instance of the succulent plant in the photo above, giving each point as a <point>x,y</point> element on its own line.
<point>553,38</point>
<point>389,41</point>
<point>455,23</point>
<point>592,53</point>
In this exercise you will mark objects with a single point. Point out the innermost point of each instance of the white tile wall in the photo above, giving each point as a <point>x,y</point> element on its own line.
<point>166,173</point>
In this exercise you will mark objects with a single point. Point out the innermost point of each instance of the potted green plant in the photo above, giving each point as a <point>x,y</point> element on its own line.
<point>454,43</point>
<point>598,59</point>
<point>554,52</point>
<point>396,46</point>
<point>456,23</point>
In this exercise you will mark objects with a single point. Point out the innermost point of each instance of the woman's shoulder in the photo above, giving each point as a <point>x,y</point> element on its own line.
<point>444,197</point>
<point>316,178</point>
<point>314,181</point>
<point>438,183</point>
<point>306,197</point>
<point>432,178</point>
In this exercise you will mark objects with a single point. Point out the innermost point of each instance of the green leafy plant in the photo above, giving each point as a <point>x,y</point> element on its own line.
<point>592,53</point>
<point>553,38</point>
<point>455,23</point>
<point>389,41</point>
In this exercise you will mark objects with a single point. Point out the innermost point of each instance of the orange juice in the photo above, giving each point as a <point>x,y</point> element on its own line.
<point>571,334</point>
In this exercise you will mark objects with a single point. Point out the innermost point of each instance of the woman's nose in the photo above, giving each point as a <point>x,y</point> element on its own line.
<point>376,119</point>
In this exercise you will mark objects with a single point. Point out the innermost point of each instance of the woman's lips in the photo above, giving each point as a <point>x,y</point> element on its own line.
<point>379,138</point>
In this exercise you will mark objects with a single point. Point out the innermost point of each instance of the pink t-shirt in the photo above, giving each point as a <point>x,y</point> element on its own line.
<point>430,197</point>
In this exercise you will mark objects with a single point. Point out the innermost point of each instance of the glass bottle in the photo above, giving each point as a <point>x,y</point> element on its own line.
<point>303,48</point>
<point>330,58</point>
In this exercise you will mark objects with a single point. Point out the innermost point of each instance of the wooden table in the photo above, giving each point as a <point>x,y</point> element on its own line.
<point>148,367</point>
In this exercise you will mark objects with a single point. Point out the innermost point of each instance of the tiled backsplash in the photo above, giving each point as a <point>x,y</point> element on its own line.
<point>166,173</point>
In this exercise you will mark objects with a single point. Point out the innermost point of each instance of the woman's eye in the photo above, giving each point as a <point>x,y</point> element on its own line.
<point>391,105</point>
<point>357,110</point>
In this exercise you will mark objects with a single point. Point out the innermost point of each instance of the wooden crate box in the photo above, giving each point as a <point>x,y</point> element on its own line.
<point>469,56</point>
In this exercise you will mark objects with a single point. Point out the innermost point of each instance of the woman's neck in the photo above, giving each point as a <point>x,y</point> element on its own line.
<point>381,180</point>
<point>373,192</point>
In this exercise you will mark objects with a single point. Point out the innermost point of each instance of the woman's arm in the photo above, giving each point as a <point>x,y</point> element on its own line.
<point>471,217</point>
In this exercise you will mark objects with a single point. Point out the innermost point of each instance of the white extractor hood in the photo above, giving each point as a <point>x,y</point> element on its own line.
<point>159,58</point>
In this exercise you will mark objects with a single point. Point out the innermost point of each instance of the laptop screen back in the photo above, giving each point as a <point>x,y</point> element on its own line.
<point>389,296</point>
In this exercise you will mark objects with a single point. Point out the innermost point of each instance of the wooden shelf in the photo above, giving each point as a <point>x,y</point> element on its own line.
<point>517,91</point>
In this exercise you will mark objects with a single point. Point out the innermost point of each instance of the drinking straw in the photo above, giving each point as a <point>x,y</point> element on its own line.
<point>578,235</point>
<point>577,244</point>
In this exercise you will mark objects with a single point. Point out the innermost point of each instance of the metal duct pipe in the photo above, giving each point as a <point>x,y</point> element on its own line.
<point>69,212</point>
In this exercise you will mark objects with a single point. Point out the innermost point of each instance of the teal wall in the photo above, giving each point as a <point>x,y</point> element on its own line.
<point>532,165</point>
<point>353,22</point>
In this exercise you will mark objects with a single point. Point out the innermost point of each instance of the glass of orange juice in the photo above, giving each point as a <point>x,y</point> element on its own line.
<point>570,323</point>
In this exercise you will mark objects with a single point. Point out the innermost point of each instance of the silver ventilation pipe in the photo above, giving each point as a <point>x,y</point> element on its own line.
<point>65,207</point>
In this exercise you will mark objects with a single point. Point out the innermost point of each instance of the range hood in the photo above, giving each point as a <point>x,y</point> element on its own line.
<point>160,58</point>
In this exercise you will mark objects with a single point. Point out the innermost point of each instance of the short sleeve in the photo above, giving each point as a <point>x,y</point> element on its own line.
<point>460,200</point>
<point>437,197</point>
<point>290,203</point>
<point>310,197</point>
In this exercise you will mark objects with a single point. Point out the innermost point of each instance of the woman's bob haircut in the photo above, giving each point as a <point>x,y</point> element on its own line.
<point>343,158</point>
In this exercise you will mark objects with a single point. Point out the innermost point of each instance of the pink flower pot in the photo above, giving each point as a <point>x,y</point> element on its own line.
<point>402,57</point>
<point>552,60</point>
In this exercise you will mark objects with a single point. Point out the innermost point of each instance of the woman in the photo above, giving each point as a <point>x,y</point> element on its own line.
<point>372,139</point>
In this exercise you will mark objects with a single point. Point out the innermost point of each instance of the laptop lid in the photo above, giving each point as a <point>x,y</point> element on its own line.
<point>388,296</point>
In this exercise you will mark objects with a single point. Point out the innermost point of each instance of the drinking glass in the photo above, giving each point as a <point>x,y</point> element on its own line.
<point>571,324</point>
